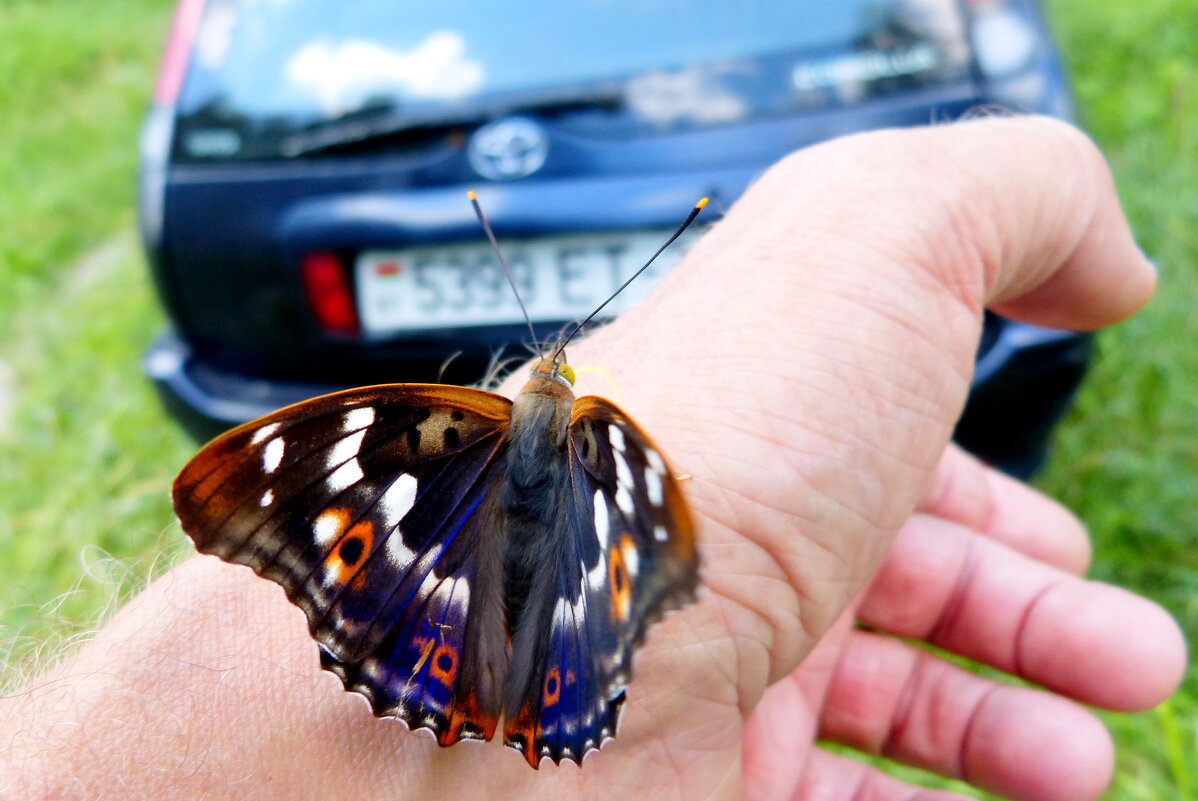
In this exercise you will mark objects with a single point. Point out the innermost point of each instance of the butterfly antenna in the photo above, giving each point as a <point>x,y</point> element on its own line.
<point>445,365</point>
<point>482,218</point>
<point>690,218</point>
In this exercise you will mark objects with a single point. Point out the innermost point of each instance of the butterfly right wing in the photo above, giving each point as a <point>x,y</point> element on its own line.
<point>628,556</point>
<point>372,508</point>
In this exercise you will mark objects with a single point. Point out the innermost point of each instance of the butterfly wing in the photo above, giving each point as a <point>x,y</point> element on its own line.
<point>372,508</point>
<point>628,557</point>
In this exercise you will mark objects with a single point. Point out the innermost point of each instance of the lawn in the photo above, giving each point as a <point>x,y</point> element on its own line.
<point>86,455</point>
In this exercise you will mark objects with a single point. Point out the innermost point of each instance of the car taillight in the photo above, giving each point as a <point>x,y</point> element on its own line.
<point>154,144</point>
<point>326,283</point>
<point>178,48</point>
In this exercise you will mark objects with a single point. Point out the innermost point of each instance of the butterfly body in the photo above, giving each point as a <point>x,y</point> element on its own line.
<point>461,558</point>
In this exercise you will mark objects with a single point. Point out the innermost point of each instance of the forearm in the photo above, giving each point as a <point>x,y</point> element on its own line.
<point>167,699</point>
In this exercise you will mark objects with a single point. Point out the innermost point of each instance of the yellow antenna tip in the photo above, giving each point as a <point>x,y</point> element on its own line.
<point>701,203</point>
<point>470,194</point>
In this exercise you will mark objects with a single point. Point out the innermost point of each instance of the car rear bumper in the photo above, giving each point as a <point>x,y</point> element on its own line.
<point>207,400</point>
<point>1022,386</point>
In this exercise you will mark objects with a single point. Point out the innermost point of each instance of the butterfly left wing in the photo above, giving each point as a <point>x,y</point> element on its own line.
<point>370,508</point>
<point>628,557</point>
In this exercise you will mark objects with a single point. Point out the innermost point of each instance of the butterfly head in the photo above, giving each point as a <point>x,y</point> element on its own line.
<point>555,369</point>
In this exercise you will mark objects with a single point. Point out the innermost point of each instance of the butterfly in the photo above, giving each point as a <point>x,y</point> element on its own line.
<point>461,557</point>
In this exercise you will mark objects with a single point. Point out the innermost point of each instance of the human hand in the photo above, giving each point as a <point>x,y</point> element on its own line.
<point>990,569</point>
<point>805,365</point>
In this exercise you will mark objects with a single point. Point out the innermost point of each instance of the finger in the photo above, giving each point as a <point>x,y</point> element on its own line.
<point>1103,277</point>
<point>894,700</point>
<point>1019,214</point>
<point>780,731</point>
<point>976,597</point>
<point>1062,254</point>
<point>968,492</point>
<point>840,778</point>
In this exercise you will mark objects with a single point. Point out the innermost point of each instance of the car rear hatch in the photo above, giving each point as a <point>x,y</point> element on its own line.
<point>314,218</point>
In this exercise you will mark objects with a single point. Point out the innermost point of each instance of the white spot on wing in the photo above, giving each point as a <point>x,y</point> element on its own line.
<point>267,499</point>
<point>327,527</point>
<point>566,614</point>
<point>264,433</point>
<point>617,439</point>
<point>632,560</point>
<point>461,592</point>
<point>395,503</point>
<point>655,461</point>
<point>624,501</point>
<point>329,579</point>
<point>373,668</point>
<point>398,499</point>
<point>400,555</point>
<point>272,454</point>
<point>597,575</point>
<point>653,487</point>
<point>623,474</point>
<point>431,555</point>
<point>358,418</point>
<point>660,534</point>
<point>344,458</point>
<point>601,520</point>
<point>344,476</point>
<point>346,449</point>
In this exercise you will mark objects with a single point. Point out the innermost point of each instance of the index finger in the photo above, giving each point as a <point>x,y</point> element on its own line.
<point>968,492</point>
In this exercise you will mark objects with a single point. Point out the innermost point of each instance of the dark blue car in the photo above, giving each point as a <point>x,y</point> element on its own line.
<point>305,167</point>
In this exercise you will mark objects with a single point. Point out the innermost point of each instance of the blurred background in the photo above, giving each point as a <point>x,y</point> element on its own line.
<point>87,452</point>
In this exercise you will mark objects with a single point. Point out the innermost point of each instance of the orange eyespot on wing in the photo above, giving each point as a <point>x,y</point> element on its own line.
<point>444,667</point>
<point>348,554</point>
<point>618,581</point>
<point>553,687</point>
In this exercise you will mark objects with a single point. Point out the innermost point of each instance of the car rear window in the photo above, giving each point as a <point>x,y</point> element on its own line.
<point>285,78</point>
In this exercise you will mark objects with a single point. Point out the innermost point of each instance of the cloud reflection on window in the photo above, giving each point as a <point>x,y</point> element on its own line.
<point>344,75</point>
<point>693,95</point>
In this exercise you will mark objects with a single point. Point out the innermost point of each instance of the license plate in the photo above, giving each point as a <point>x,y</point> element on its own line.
<point>560,278</point>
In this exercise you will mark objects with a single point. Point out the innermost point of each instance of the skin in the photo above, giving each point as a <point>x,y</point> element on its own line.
<point>805,366</point>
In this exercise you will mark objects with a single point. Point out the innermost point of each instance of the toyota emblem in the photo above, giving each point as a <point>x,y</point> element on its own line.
<point>507,149</point>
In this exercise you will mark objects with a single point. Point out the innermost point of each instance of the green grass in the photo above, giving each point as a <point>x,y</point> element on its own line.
<point>86,455</point>
<point>1127,456</point>
<point>76,79</point>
